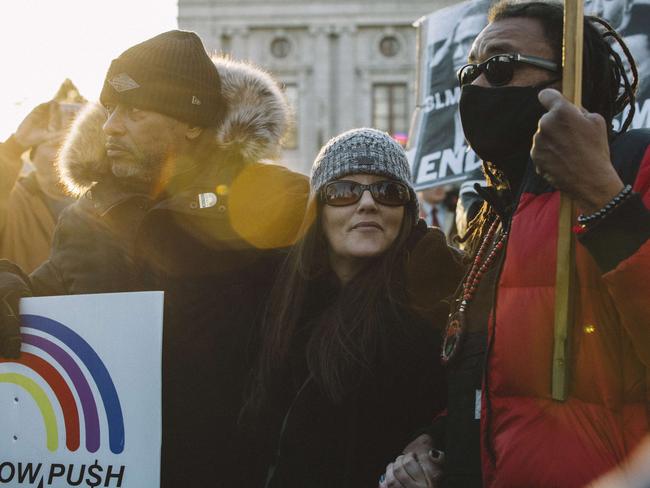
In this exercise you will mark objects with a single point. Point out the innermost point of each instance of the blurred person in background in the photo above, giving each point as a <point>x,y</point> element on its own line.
<point>343,332</point>
<point>469,202</point>
<point>438,209</point>
<point>30,204</point>
<point>173,197</point>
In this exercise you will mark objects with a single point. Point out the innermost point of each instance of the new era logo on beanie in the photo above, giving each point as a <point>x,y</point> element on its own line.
<point>170,74</point>
<point>123,82</point>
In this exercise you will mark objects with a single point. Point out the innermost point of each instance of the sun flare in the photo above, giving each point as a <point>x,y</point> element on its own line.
<point>45,41</point>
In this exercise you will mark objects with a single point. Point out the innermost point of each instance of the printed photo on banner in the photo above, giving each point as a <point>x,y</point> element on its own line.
<point>81,406</point>
<point>631,19</point>
<point>437,148</point>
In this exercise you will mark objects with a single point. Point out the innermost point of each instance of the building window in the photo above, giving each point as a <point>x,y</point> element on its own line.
<point>389,46</point>
<point>290,139</point>
<point>390,108</point>
<point>280,47</point>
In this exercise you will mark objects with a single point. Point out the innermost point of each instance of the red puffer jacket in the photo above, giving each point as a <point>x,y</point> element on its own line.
<point>528,439</point>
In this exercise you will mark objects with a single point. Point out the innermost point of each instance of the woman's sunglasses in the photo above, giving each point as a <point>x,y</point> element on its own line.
<point>345,192</point>
<point>499,69</point>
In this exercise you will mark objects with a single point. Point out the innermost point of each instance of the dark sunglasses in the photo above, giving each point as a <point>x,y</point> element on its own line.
<point>345,192</point>
<point>500,69</point>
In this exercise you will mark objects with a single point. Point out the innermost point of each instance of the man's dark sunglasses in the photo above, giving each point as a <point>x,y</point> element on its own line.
<point>500,69</point>
<point>345,192</point>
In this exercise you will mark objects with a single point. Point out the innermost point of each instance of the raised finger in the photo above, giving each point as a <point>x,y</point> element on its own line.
<point>408,468</point>
<point>410,473</point>
<point>432,468</point>
<point>391,480</point>
<point>551,98</point>
<point>414,470</point>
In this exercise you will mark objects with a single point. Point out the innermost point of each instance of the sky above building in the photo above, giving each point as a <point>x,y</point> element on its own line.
<point>42,42</point>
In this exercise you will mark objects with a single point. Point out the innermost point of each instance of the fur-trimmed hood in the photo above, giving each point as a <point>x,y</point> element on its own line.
<point>258,117</point>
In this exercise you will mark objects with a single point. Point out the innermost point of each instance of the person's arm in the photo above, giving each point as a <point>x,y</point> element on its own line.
<point>14,285</point>
<point>46,280</point>
<point>433,271</point>
<point>571,151</point>
<point>31,132</point>
<point>620,244</point>
<point>10,164</point>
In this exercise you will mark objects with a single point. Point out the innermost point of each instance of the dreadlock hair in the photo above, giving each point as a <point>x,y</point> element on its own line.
<point>606,86</point>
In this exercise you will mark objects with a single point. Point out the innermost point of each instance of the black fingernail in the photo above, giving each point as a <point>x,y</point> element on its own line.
<point>435,453</point>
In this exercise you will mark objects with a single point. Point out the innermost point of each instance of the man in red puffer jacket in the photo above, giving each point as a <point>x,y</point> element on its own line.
<point>503,429</point>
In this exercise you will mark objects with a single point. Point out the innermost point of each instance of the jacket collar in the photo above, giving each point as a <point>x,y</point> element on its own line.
<point>107,194</point>
<point>200,191</point>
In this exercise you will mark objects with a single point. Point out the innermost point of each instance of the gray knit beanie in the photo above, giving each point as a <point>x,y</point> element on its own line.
<point>365,151</point>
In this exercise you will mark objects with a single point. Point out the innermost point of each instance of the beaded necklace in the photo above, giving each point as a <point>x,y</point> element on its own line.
<point>457,321</point>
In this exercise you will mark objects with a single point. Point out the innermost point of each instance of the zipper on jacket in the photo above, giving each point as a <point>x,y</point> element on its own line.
<point>490,343</point>
<point>506,223</point>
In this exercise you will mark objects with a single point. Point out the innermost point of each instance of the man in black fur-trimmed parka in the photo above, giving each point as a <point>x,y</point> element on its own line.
<point>174,197</point>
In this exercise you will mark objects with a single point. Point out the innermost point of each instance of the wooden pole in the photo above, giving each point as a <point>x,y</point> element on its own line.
<point>565,271</point>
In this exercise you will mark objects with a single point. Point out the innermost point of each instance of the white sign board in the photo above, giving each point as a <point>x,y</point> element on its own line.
<point>82,404</point>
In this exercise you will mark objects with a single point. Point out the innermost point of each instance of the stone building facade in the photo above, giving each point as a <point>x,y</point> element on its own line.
<point>343,63</point>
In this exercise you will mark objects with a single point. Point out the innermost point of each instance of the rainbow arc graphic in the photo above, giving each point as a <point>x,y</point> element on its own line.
<point>73,416</point>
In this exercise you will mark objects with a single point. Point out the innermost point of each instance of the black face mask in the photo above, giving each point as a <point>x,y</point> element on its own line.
<point>499,124</point>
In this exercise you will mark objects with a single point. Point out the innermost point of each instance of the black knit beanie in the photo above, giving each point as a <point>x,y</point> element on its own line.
<point>171,74</point>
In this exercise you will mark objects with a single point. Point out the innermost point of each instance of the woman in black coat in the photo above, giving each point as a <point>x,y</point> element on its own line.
<point>348,364</point>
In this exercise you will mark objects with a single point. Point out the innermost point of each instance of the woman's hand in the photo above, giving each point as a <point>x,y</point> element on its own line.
<point>414,470</point>
<point>420,466</point>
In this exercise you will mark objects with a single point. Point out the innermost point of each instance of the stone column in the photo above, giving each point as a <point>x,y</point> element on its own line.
<point>347,95</point>
<point>240,38</point>
<point>307,130</point>
<point>319,99</point>
<point>364,97</point>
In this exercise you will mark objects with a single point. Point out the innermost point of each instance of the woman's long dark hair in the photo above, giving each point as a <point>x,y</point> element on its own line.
<point>606,86</point>
<point>349,336</point>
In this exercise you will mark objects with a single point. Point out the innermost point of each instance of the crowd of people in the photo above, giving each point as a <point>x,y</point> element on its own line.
<point>323,331</point>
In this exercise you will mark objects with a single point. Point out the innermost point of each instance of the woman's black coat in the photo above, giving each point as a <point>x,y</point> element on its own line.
<point>311,442</point>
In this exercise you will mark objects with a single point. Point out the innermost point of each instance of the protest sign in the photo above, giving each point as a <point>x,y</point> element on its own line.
<point>439,154</point>
<point>82,404</point>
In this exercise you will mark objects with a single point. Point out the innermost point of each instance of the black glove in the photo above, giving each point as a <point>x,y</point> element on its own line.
<point>14,285</point>
<point>433,272</point>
